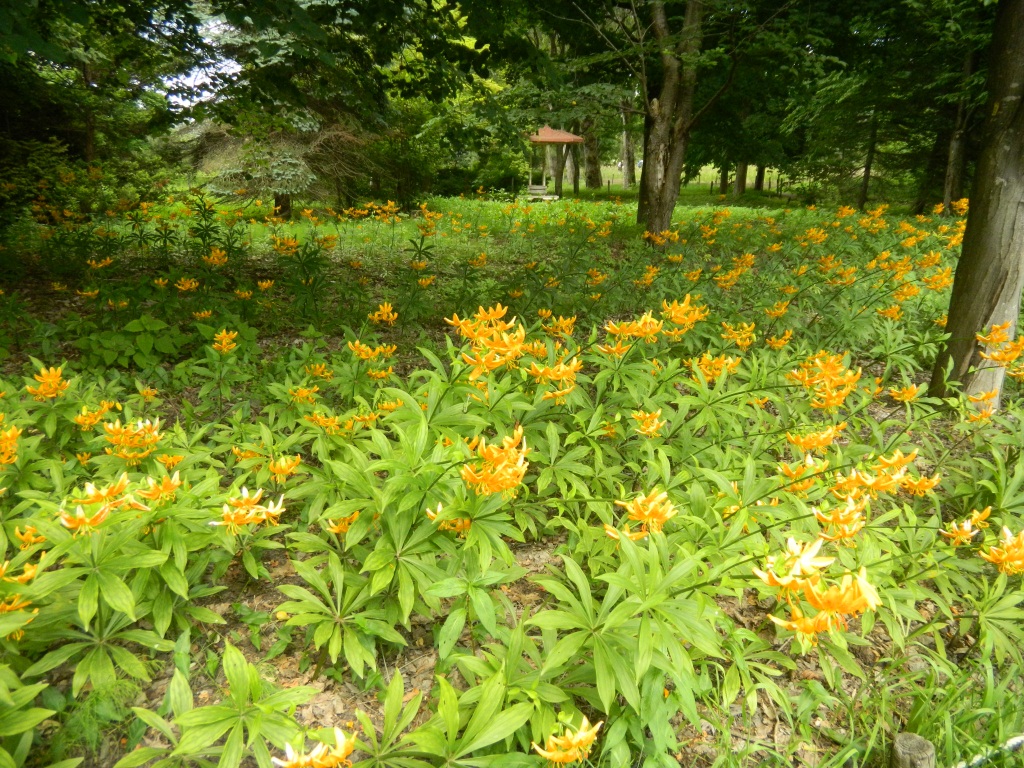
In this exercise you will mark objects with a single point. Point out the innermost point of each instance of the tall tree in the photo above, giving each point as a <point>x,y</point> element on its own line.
<point>990,274</point>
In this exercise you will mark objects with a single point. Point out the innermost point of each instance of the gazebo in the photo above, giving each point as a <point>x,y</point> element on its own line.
<point>548,135</point>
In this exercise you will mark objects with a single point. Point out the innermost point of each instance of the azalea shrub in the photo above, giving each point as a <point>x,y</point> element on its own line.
<point>761,538</point>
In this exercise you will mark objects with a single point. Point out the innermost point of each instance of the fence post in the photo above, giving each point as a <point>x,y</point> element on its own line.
<point>912,751</point>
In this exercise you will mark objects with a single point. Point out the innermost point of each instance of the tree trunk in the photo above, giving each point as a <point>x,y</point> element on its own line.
<point>558,171</point>
<point>759,179</point>
<point>957,160</point>
<point>283,206</point>
<point>628,158</point>
<point>592,155</point>
<point>669,115</point>
<point>741,180</point>
<point>862,198</point>
<point>723,179</point>
<point>990,274</point>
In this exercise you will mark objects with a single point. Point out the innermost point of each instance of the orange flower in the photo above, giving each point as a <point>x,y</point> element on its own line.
<point>169,461</point>
<point>905,394</point>
<point>304,394</point>
<point>959,533</point>
<point>800,567</point>
<point>816,441</point>
<point>458,525</point>
<point>283,467</point>
<point>341,525</point>
<point>322,756</point>
<point>997,335</point>
<point>572,747</point>
<point>51,385</point>
<point>80,522</point>
<point>29,537</point>
<point>1008,558</point>
<point>919,486</point>
<point>161,490</point>
<point>9,445</point>
<point>649,424</point>
<point>845,522</point>
<point>498,469</point>
<point>778,342</point>
<point>108,494</point>
<point>132,443</point>
<point>616,534</point>
<point>384,314</point>
<point>742,335</point>
<point>224,341</point>
<point>651,511</point>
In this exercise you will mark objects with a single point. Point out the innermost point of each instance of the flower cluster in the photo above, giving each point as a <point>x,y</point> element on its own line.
<point>826,379</point>
<point>742,335</point>
<point>498,469</point>
<point>684,316</point>
<point>563,374</point>
<point>8,444</point>
<point>224,341</point>
<point>385,313</point>
<point>492,344</point>
<point>245,510</point>
<point>132,442</point>
<point>51,385</point>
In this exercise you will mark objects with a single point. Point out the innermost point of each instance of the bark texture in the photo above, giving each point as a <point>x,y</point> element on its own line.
<point>741,180</point>
<point>669,114</point>
<point>953,187</point>
<point>592,156</point>
<point>759,179</point>
<point>628,157</point>
<point>990,274</point>
<point>865,182</point>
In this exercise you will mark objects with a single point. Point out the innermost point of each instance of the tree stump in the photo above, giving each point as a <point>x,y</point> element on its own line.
<point>911,751</point>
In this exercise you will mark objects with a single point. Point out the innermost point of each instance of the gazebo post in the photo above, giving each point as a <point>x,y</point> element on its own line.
<point>548,135</point>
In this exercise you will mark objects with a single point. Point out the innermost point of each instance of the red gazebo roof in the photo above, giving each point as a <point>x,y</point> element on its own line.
<point>549,135</point>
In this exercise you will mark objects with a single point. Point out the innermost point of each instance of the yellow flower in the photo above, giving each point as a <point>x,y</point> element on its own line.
<point>186,284</point>
<point>320,371</point>
<point>265,285</point>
